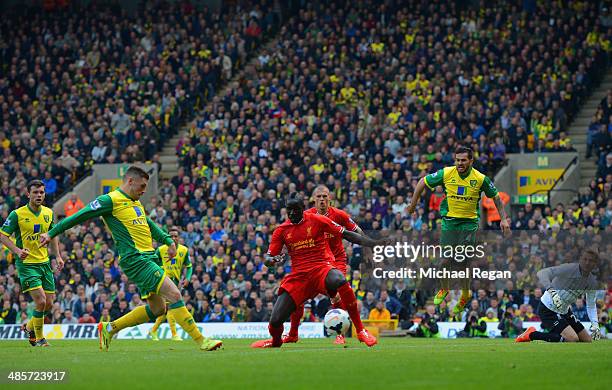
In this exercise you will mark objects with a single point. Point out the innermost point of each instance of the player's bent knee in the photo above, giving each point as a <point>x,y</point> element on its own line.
<point>334,279</point>
<point>174,296</point>
<point>40,301</point>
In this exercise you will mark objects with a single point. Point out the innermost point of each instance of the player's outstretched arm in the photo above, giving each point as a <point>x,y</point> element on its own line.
<point>102,205</point>
<point>364,240</point>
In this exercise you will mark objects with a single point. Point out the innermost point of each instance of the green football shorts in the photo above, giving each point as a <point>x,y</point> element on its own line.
<point>35,275</point>
<point>142,269</point>
<point>458,231</point>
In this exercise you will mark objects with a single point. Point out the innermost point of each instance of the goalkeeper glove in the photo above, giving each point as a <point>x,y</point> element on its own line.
<point>595,332</point>
<point>556,299</point>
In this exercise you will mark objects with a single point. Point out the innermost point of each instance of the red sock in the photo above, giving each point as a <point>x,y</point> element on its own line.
<point>277,335</point>
<point>296,317</point>
<point>347,296</point>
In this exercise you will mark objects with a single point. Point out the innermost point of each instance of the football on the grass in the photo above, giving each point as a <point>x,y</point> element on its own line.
<point>336,322</point>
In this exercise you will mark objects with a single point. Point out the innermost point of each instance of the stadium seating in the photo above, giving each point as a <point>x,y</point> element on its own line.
<point>82,87</point>
<point>365,98</point>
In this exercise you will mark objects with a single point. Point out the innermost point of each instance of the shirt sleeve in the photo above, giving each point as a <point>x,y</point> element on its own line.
<point>10,225</point>
<point>158,234</point>
<point>276,243</point>
<point>102,205</point>
<point>591,305</point>
<point>188,266</point>
<point>52,224</point>
<point>489,188</point>
<point>347,221</point>
<point>435,179</point>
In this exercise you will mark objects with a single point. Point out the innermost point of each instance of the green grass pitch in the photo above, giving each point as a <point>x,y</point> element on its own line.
<point>317,364</point>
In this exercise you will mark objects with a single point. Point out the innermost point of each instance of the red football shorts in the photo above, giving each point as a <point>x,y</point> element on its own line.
<point>305,285</point>
<point>341,266</point>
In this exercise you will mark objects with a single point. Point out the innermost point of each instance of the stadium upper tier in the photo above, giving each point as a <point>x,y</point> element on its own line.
<point>362,95</point>
<point>97,85</point>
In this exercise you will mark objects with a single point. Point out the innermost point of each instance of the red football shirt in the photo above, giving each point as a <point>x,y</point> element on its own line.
<point>305,241</point>
<point>342,218</point>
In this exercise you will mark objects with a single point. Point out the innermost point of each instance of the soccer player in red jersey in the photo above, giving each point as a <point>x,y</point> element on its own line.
<point>304,236</point>
<point>322,198</point>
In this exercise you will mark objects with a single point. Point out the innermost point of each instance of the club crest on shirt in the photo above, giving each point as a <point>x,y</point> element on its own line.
<point>309,231</point>
<point>473,183</point>
<point>46,217</point>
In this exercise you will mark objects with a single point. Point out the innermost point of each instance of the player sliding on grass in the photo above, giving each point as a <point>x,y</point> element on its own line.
<point>33,266</point>
<point>462,185</point>
<point>133,231</point>
<point>564,284</point>
<point>173,266</point>
<point>312,271</point>
<point>322,207</point>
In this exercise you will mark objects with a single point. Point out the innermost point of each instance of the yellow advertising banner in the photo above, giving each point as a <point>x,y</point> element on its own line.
<point>531,181</point>
<point>108,185</point>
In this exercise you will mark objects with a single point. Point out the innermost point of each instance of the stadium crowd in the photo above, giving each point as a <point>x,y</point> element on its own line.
<point>95,85</point>
<point>361,96</point>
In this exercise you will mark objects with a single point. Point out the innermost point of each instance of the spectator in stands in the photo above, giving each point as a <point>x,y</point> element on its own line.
<point>86,318</point>
<point>580,311</point>
<point>8,314</point>
<point>259,313</point>
<point>308,314</point>
<point>390,303</point>
<point>217,315</point>
<point>73,205</point>
<point>68,318</point>
<point>379,312</point>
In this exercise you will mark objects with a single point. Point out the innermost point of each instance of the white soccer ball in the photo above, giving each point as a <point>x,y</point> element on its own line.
<point>336,322</point>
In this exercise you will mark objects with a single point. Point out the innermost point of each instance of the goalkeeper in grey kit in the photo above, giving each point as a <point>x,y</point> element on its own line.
<point>564,284</point>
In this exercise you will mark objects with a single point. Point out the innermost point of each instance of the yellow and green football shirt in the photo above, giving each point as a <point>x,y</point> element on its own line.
<point>174,267</point>
<point>462,191</point>
<point>28,225</point>
<point>132,231</point>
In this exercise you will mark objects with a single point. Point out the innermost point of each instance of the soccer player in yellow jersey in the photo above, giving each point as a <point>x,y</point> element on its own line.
<point>173,266</point>
<point>27,223</point>
<point>459,210</point>
<point>133,233</point>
